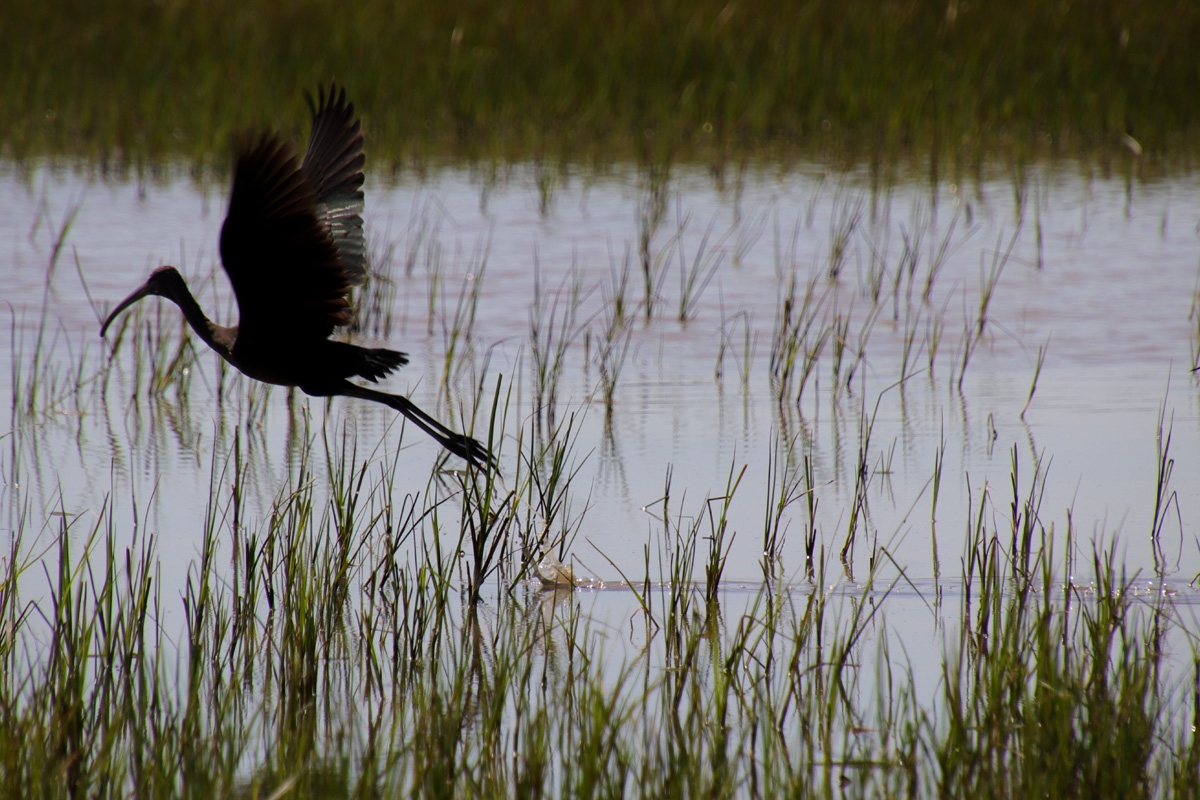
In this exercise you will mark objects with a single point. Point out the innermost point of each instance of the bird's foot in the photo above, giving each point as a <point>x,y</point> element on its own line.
<point>471,450</point>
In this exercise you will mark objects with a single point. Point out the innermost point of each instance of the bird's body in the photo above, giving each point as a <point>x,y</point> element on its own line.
<point>293,247</point>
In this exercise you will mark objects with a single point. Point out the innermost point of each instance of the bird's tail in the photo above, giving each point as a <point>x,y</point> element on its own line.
<point>351,361</point>
<point>375,363</point>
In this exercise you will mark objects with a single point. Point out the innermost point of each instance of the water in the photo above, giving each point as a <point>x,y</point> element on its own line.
<point>1102,275</point>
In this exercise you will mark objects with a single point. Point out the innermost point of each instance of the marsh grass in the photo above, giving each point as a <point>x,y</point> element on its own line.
<point>654,257</point>
<point>549,81</point>
<point>847,218</point>
<point>552,334</point>
<point>800,335</point>
<point>1037,372</point>
<point>458,332</point>
<point>612,348</point>
<point>1164,496</point>
<point>728,344</point>
<point>694,278</point>
<point>375,303</point>
<point>39,384</point>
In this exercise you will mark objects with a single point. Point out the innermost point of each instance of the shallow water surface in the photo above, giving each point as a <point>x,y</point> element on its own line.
<point>1097,275</point>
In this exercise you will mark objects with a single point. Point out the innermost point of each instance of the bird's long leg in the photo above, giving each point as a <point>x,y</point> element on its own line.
<point>458,444</point>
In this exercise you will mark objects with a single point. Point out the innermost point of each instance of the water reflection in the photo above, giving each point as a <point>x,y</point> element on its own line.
<point>677,325</point>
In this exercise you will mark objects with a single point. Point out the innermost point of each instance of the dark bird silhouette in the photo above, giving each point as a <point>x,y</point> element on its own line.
<point>293,247</point>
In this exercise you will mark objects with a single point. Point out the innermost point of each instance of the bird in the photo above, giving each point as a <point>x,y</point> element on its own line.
<point>293,246</point>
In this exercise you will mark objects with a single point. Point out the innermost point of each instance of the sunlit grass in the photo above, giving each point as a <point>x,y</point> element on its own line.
<point>577,80</point>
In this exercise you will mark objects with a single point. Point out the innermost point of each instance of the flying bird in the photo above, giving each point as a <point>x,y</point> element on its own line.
<point>293,247</point>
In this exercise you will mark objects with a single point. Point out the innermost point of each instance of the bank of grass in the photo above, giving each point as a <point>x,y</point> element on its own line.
<point>587,80</point>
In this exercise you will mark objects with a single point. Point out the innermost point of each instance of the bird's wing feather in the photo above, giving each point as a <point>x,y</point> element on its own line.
<point>281,259</point>
<point>333,167</point>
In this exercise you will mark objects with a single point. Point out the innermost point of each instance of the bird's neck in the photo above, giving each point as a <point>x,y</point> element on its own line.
<point>210,332</point>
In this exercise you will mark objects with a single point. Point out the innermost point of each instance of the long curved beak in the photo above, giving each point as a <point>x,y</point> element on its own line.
<point>144,291</point>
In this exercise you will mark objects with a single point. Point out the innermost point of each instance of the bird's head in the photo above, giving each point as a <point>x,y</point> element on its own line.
<point>163,282</point>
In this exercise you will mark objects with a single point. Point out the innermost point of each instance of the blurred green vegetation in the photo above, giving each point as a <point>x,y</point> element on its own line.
<point>583,79</point>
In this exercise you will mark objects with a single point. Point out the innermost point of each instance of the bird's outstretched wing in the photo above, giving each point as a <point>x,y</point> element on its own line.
<point>333,167</point>
<point>283,263</point>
